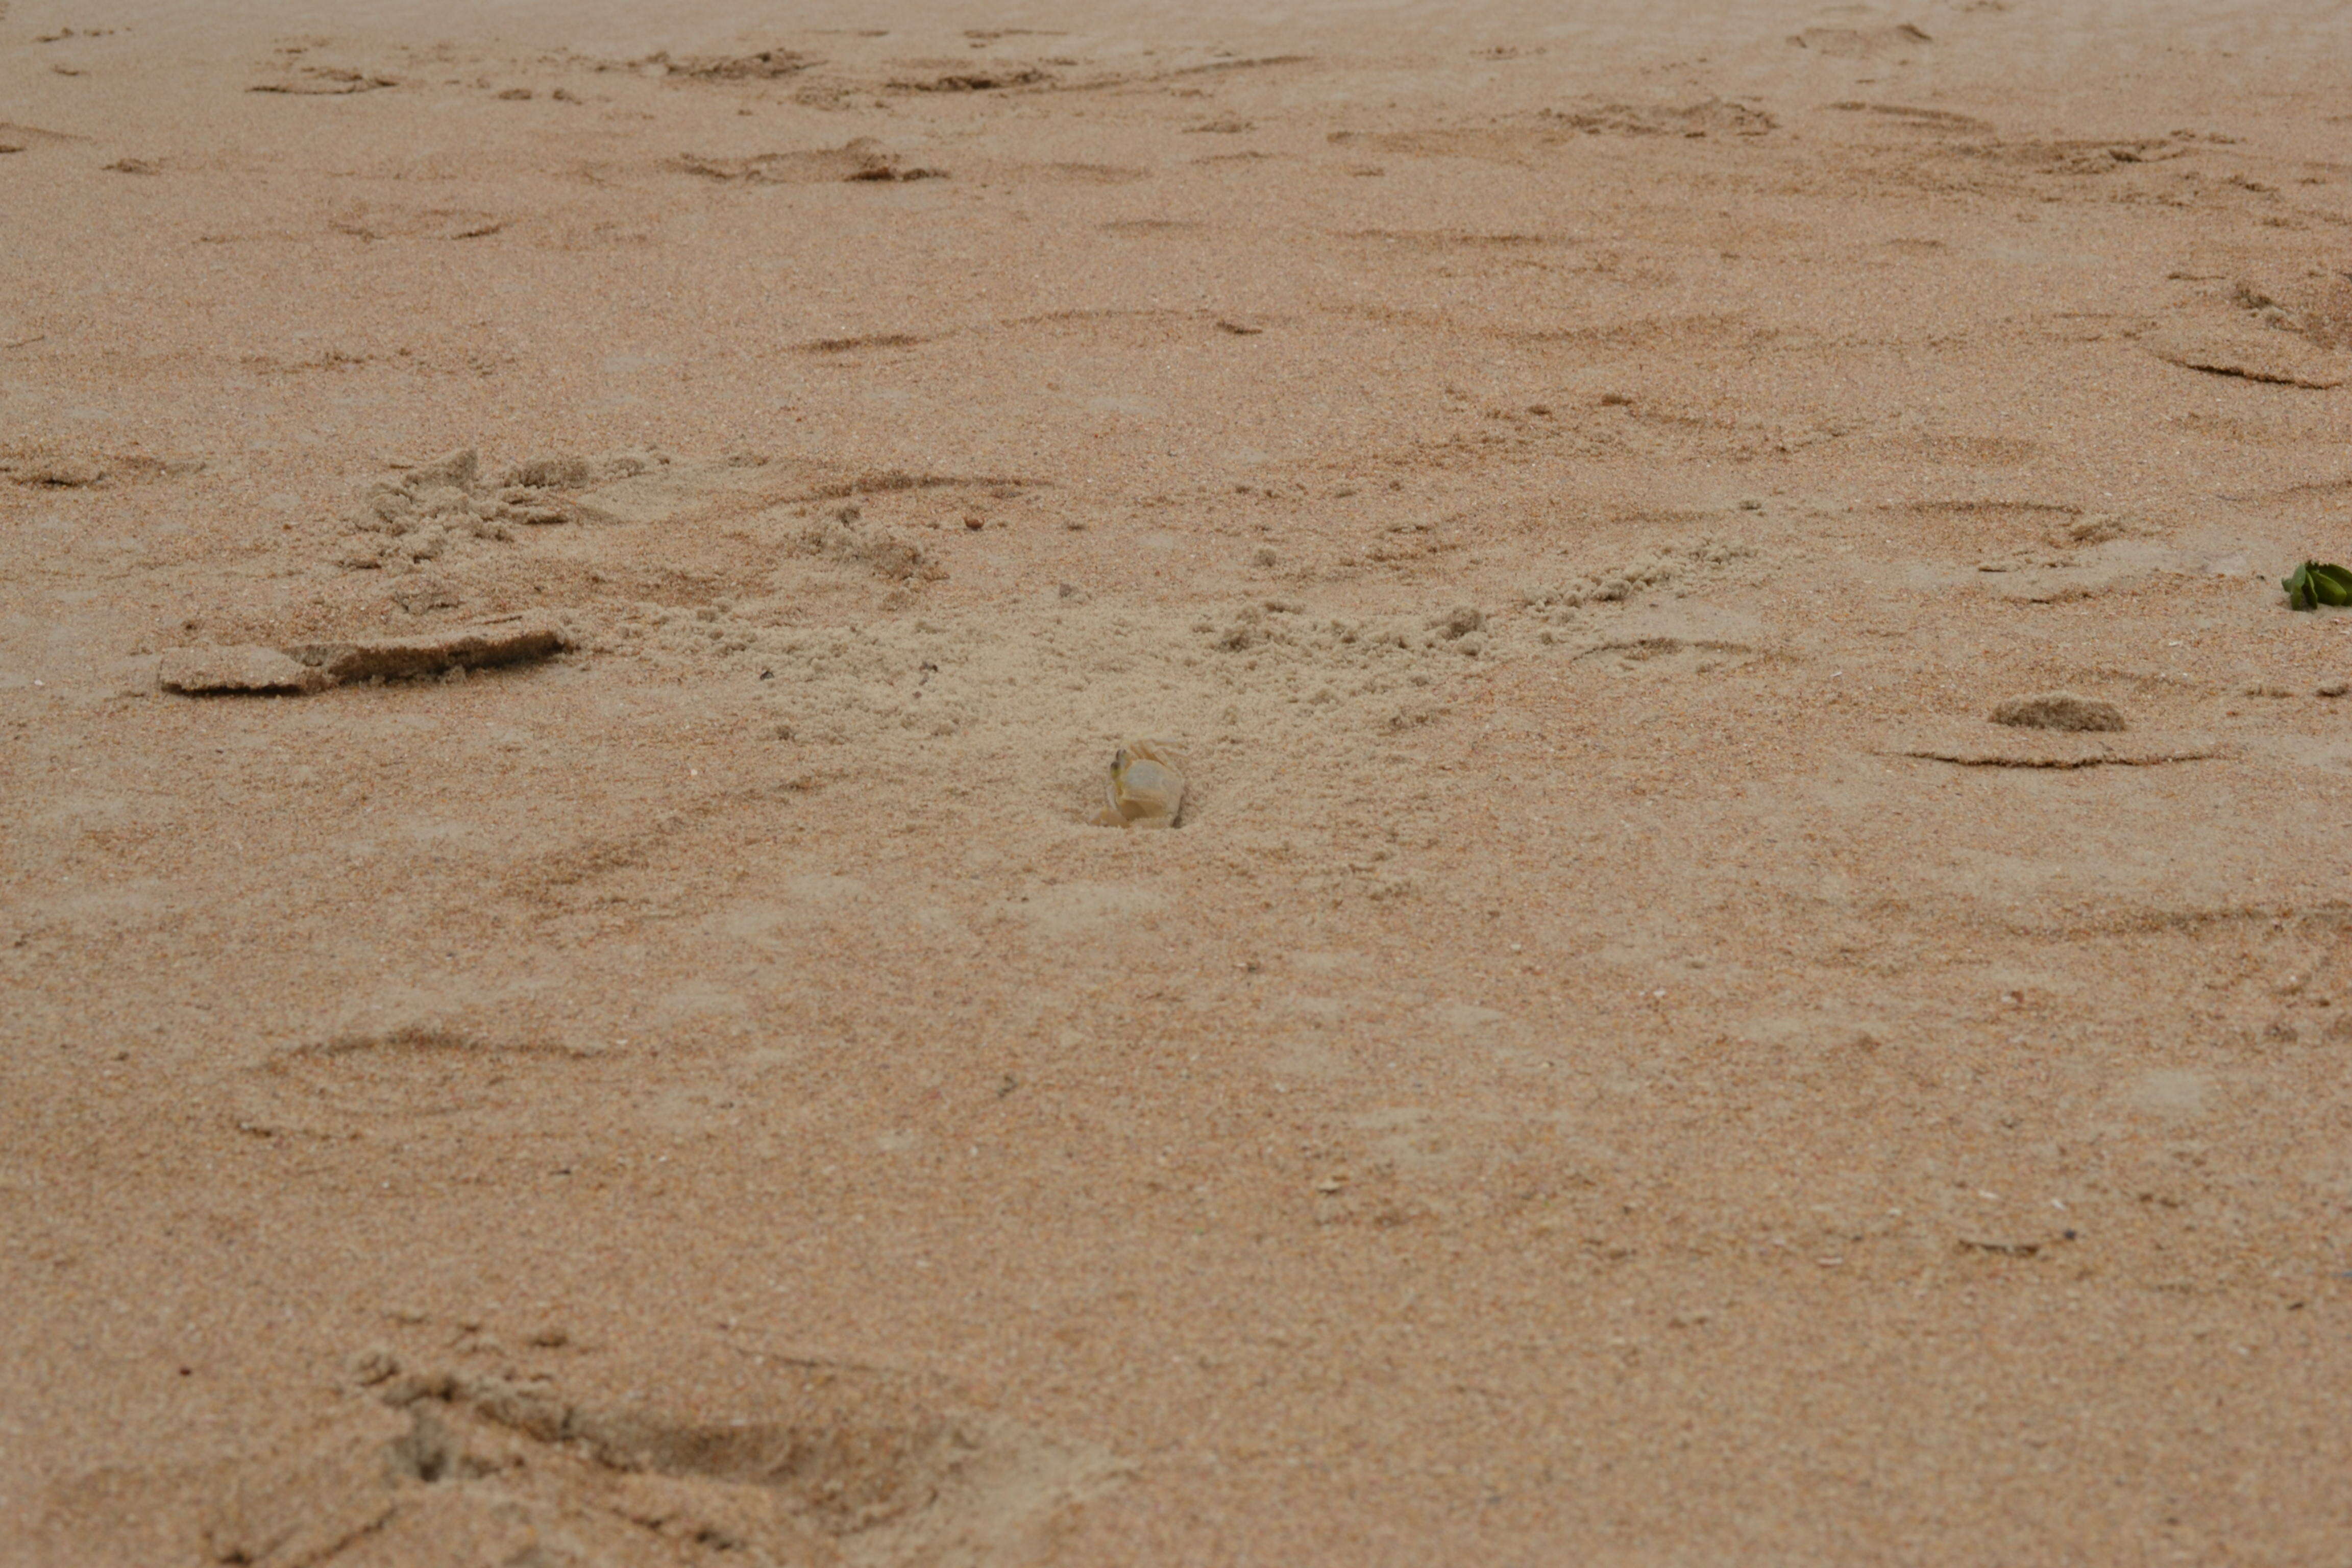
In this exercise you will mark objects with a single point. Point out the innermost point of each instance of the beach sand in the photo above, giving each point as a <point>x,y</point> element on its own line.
<point>570,577</point>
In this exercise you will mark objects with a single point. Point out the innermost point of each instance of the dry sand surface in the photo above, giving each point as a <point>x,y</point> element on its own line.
<point>570,578</point>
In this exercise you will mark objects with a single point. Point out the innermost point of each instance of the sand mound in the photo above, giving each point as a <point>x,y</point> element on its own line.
<point>313,666</point>
<point>205,671</point>
<point>2058,711</point>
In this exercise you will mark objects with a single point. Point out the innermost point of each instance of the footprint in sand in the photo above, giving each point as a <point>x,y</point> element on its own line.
<point>441,1461</point>
<point>322,81</point>
<point>862,161</point>
<point>1861,43</point>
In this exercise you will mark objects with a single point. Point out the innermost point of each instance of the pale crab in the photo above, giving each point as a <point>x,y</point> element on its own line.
<point>1146,787</point>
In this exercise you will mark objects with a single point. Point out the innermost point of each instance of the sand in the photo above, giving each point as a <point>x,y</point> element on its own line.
<point>570,577</point>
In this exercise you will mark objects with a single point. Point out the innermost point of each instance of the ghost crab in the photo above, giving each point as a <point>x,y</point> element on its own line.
<point>1145,787</point>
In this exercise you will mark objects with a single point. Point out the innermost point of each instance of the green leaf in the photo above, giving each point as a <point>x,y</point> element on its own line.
<point>2315,583</point>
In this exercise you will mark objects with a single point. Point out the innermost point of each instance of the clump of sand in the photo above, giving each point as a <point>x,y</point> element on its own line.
<point>435,506</point>
<point>2058,710</point>
<point>845,536</point>
<point>1667,564</point>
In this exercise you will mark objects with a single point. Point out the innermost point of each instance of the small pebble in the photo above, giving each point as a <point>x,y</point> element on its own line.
<point>2334,688</point>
